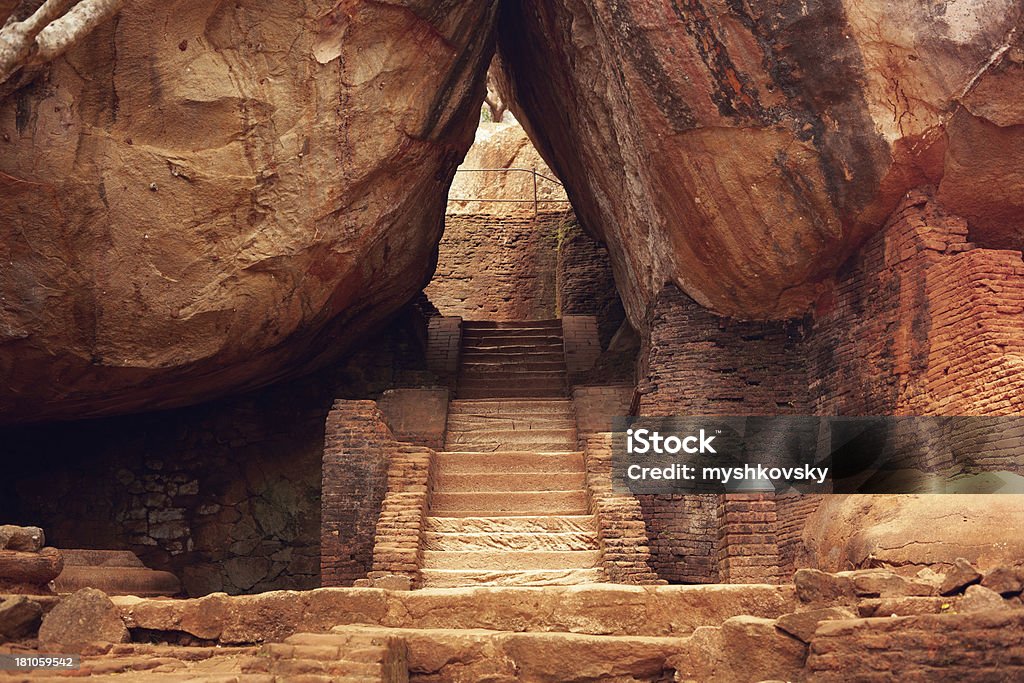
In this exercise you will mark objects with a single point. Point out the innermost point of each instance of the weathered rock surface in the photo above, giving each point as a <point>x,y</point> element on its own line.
<point>19,617</point>
<point>601,609</point>
<point>29,572</point>
<point>86,616</point>
<point>981,599</point>
<point>914,531</point>
<point>23,538</point>
<point>227,200</point>
<point>744,649</point>
<point>741,150</point>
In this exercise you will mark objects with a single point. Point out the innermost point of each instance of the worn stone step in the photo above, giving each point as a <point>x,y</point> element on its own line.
<point>547,323</point>
<point>456,578</point>
<point>517,422</point>
<point>574,540</point>
<point>559,446</point>
<point>526,481</point>
<point>512,376</point>
<point>512,379</point>
<point>517,436</point>
<point>540,332</point>
<point>511,407</point>
<point>510,560</point>
<point>576,524</point>
<point>514,345</point>
<point>507,366</point>
<point>483,655</point>
<point>506,503</point>
<point>474,355</point>
<point>496,462</point>
<point>516,392</point>
<point>113,580</point>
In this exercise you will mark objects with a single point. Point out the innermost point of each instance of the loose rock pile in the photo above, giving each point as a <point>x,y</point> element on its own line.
<point>26,566</point>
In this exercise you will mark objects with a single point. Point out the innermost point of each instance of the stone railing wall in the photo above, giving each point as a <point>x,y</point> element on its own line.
<point>626,556</point>
<point>358,449</point>
<point>397,549</point>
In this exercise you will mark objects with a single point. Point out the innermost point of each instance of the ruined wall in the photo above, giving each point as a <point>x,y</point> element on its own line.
<point>497,267</point>
<point>226,495</point>
<point>919,322</point>
<point>585,283</point>
<point>698,363</point>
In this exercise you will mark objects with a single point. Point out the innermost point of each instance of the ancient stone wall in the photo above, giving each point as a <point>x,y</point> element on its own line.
<point>226,495</point>
<point>358,447</point>
<point>701,364</point>
<point>585,282</point>
<point>497,267</point>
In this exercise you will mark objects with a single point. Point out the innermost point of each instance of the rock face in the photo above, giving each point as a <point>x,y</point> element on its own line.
<point>742,150</point>
<point>227,200</point>
<point>84,617</point>
<point>905,530</point>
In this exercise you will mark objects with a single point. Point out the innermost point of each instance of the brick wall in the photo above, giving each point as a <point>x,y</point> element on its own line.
<point>358,448</point>
<point>585,283</point>
<point>918,322</point>
<point>495,267</point>
<point>397,549</point>
<point>625,556</point>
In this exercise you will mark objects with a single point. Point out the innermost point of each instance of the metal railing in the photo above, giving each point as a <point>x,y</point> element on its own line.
<point>536,201</point>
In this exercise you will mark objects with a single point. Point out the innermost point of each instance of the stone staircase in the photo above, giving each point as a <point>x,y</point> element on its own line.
<point>509,503</point>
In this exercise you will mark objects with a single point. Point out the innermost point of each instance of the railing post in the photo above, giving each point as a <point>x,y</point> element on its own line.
<point>536,211</point>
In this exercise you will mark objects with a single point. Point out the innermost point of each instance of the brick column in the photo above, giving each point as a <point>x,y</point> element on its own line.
<point>444,340</point>
<point>397,549</point>
<point>747,550</point>
<point>358,447</point>
<point>626,555</point>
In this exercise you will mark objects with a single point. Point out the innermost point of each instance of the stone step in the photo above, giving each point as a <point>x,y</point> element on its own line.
<point>497,462</point>
<point>505,560</point>
<point>457,578</point>
<point>511,407</point>
<point>508,503</point>
<point>516,436</point>
<point>472,355</point>
<point>598,608</point>
<point>559,446</point>
<point>512,378</point>
<point>515,422</point>
<point>113,580</point>
<point>510,348</point>
<point>484,655</point>
<point>574,524</point>
<point>547,323</point>
<point>517,392</point>
<point>518,366</point>
<point>547,334</point>
<point>575,540</point>
<point>527,481</point>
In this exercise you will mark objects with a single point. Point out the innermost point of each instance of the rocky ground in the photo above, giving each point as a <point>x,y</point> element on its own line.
<point>873,624</point>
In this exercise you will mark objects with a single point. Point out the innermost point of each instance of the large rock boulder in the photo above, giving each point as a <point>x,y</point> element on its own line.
<point>207,196</point>
<point>914,530</point>
<point>742,149</point>
<point>87,616</point>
